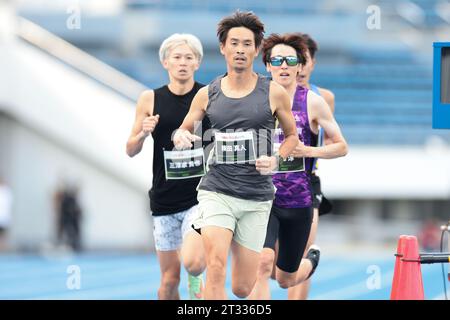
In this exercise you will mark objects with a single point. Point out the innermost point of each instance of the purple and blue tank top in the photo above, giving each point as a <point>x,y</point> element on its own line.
<point>293,189</point>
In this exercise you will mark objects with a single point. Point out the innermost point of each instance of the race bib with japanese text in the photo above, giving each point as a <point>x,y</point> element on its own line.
<point>184,164</point>
<point>236,147</point>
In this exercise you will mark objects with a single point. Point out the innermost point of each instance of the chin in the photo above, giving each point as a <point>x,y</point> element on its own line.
<point>239,69</point>
<point>284,80</point>
<point>183,78</point>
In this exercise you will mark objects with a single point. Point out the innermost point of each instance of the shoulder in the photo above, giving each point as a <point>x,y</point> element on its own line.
<point>315,100</point>
<point>146,101</point>
<point>202,95</point>
<point>328,95</point>
<point>276,90</point>
<point>203,91</point>
<point>214,84</point>
<point>201,98</point>
<point>147,96</point>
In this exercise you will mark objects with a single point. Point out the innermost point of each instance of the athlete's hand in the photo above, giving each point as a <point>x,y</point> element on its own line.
<point>300,150</point>
<point>149,124</point>
<point>182,139</point>
<point>265,165</point>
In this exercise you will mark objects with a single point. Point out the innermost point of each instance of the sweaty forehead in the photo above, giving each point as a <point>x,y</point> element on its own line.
<point>283,50</point>
<point>241,34</point>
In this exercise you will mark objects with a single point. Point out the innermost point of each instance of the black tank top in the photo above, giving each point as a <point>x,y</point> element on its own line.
<point>171,196</point>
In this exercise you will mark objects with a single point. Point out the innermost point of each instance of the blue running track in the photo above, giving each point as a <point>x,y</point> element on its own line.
<point>136,276</point>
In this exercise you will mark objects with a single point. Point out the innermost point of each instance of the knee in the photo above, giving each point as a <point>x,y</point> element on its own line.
<point>242,290</point>
<point>265,265</point>
<point>170,282</point>
<point>273,274</point>
<point>194,265</point>
<point>286,281</point>
<point>216,270</point>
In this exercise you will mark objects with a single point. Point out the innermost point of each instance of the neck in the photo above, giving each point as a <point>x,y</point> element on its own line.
<point>241,80</point>
<point>308,85</point>
<point>291,89</point>
<point>181,87</point>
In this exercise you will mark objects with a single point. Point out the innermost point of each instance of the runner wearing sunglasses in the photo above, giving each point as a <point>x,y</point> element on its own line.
<point>291,215</point>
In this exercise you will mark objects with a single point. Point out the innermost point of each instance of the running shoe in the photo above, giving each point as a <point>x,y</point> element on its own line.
<point>314,256</point>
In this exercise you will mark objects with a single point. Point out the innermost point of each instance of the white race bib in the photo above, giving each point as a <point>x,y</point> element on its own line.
<point>236,147</point>
<point>184,164</point>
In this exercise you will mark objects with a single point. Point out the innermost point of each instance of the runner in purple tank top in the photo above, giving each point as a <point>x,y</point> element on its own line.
<point>293,189</point>
<point>292,211</point>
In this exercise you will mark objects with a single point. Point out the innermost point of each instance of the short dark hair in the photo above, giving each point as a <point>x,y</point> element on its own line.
<point>293,40</point>
<point>241,19</point>
<point>312,45</point>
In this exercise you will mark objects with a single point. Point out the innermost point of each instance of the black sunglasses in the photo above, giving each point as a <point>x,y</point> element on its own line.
<point>278,61</point>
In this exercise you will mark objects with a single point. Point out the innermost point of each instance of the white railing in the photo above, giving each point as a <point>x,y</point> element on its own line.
<point>78,59</point>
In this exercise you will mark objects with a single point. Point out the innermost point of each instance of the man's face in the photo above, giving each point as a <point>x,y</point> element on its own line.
<point>181,63</point>
<point>305,73</point>
<point>239,48</point>
<point>284,74</point>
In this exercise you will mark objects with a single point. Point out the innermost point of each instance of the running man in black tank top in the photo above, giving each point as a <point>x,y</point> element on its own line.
<point>235,197</point>
<point>173,202</point>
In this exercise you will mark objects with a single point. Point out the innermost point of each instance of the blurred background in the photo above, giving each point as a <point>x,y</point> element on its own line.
<point>70,74</point>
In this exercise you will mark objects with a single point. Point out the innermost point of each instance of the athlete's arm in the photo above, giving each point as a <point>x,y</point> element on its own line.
<point>144,123</point>
<point>280,105</point>
<point>329,98</point>
<point>183,137</point>
<point>321,114</point>
<point>279,98</point>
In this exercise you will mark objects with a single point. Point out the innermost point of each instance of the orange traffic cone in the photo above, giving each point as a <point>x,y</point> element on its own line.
<point>407,283</point>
